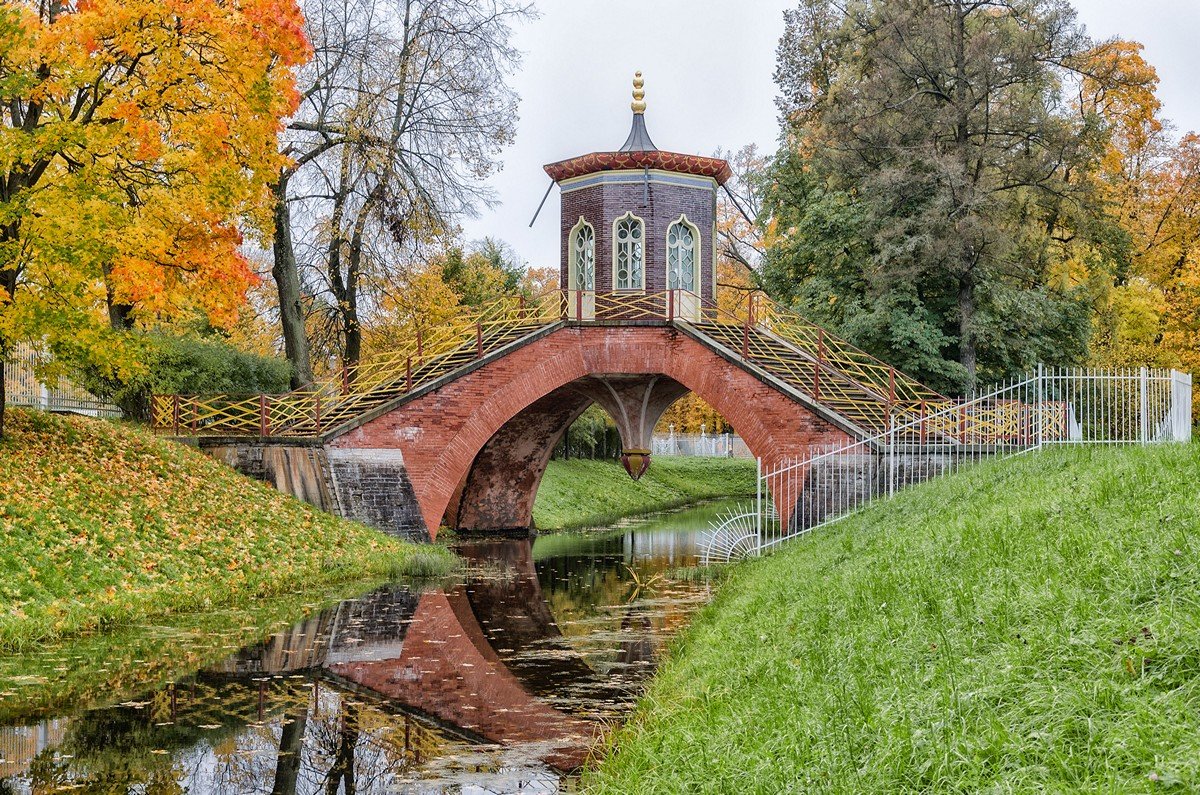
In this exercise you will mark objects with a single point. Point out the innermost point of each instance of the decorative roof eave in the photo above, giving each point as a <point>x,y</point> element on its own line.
<point>640,159</point>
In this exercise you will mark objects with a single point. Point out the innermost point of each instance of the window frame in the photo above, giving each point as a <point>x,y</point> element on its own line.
<point>616,248</point>
<point>572,250</point>
<point>697,248</point>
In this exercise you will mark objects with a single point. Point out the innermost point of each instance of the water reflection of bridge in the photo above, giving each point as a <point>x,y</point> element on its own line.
<point>485,659</point>
<point>383,683</point>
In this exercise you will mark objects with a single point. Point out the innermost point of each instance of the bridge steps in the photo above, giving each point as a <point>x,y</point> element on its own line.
<point>343,409</point>
<point>866,395</point>
<point>859,404</point>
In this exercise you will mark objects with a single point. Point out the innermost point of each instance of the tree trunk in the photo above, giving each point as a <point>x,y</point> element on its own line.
<point>120,316</point>
<point>287,281</point>
<point>287,767</point>
<point>353,328</point>
<point>967,354</point>
<point>3,391</point>
<point>8,287</point>
<point>343,769</point>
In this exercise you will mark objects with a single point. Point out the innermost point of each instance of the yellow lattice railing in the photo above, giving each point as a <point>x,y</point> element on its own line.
<point>857,365</point>
<point>990,422</point>
<point>413,364</point>
<point>869,393</point>
<point>834,373</point>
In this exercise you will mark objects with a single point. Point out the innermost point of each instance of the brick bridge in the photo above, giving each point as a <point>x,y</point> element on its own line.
<point>454,428</point>
<point>458,434</point>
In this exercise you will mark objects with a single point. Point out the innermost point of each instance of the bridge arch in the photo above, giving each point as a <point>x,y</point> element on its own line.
<point>441,434</point>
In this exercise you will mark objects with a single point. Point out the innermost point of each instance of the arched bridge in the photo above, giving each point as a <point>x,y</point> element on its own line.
<point>456,428</point>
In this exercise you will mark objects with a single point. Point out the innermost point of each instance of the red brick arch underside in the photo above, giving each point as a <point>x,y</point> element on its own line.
<point>441,434</point>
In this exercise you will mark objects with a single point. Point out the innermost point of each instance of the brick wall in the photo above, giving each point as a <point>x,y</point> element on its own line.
<point>601,204</point>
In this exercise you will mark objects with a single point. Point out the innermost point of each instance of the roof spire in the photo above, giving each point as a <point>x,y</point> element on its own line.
<point>639,94</point>
<point>639,139</point>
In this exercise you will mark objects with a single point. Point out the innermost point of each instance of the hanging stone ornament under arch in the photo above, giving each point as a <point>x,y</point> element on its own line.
<point>636,462</point>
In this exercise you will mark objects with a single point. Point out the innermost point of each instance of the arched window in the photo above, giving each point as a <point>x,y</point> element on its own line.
<point>629,253</point>
<point>683,254</point>
<point>582,275</point>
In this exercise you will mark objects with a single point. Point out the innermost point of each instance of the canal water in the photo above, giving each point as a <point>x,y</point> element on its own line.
<point>504,680</point>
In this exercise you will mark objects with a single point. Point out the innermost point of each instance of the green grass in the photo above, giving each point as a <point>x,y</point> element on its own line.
<point>584,493</point>
<point>1031,625</point>
<point>103,524</point>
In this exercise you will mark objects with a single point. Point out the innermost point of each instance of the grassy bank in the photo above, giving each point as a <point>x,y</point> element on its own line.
<point>583,493</point>
<point>1029,625</point>
<point>103,524</point>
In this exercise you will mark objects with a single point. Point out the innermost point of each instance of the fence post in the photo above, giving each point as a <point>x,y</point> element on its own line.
<point>758,502</point>
<point>1144,415</point>
<point>479,339</point>
<point>1185,407</point>
<point>175,411</point>
<point>819,362</point>
<point>670,305</point>
<point>318,410</point>
<point>264,425</point>
<point>408,374</point>
<point>747,324</point>
<point>1041,408</point>
<point>891,457</point>
<point>1181,406</point>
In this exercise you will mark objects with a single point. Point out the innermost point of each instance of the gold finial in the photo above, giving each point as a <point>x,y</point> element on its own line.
<point>639,95</point>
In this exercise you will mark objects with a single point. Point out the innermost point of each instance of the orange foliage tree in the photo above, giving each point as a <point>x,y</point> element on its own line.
<point>1150,314</point>
<point>137,146</point>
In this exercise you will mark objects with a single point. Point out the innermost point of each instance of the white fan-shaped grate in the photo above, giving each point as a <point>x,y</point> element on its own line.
<point>734,536</point>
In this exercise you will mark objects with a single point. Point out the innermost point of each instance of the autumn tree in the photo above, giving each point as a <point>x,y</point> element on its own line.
<point>405,109</point>
<point>740,235</point>
<point>1147,314</point>
<point>139,140</point>
<point>929,189</point>
<point>421,297</point>
<point>691,414</point>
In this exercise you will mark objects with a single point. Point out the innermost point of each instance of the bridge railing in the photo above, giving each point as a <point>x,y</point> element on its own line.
<point>422,356</point>
<point>1052,407</point>
<point>837,374</point>
<point>854,363</point>
<point>866,391</point>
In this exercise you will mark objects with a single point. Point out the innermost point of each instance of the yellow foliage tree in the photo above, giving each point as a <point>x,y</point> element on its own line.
<point>417,303</point>
<point>1150,313</point>
<point>137,144</point>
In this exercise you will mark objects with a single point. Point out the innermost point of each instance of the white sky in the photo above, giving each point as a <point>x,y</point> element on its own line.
<point>708,66</point>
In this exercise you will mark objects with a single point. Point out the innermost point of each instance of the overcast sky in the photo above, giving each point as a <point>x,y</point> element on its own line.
<point>708,66</point>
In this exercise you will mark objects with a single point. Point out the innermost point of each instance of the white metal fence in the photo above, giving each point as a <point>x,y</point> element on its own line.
<point>22,387</point>
<point>716,445</point>
<point>1051,407</point>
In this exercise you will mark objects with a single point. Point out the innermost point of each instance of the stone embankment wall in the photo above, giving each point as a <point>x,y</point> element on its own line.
<point>367,486</point>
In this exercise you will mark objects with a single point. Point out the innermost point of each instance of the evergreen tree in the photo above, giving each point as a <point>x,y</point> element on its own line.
<point>933,187</point>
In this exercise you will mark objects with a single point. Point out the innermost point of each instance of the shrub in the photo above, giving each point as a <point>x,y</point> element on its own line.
<point>188,364</point>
